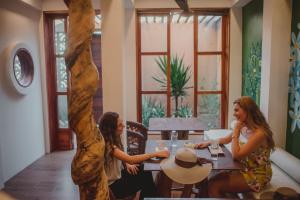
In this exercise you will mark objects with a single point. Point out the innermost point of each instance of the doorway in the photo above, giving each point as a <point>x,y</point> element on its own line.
<point>55,28</point>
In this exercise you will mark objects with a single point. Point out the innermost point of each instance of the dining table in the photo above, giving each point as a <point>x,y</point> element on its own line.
<point>224,161</point>
<point>164,183</point>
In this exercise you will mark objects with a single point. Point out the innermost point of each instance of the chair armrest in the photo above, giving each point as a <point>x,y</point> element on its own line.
<point>134,134</point>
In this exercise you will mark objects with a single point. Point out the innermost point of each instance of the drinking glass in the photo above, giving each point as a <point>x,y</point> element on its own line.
<point>214,149</point>
<point>174,136</point>
<point>161,146</point>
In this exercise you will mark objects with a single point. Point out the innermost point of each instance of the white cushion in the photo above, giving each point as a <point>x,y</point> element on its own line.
<point>287,162</point>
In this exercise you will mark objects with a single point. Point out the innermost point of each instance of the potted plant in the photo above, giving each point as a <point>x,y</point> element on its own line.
<point>180,75</point>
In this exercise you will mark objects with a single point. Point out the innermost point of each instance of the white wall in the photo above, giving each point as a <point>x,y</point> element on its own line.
<point>113,48</point>
<point>130,65</point>
<point>21,119</point>
<point>275,65</point>
<point>44,86</point>
<point>235,64</point>
<point>37,4</point>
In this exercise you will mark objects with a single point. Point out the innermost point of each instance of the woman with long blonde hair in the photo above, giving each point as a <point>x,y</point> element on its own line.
<point>254,153</point>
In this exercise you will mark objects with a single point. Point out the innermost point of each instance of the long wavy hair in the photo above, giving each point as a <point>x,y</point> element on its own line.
<point>108,127</point>
<point>255,118</point>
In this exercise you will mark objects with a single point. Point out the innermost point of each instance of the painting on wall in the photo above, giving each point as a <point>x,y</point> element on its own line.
<point>293,124</point>
<point>252,44</point>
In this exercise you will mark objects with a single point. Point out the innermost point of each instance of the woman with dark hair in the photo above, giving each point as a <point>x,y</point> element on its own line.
<point>125,182</point>
<point>254,154</point>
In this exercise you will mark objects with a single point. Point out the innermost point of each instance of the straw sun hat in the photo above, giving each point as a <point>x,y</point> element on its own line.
<point>185,167</point>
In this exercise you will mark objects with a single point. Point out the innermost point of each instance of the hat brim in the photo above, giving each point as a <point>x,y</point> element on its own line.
<point>184,175</point>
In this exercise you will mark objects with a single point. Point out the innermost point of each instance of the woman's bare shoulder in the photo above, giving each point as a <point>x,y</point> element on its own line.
<point>260,134</point>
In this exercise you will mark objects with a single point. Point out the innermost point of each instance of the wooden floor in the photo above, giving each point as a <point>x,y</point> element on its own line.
<point>49,178</point>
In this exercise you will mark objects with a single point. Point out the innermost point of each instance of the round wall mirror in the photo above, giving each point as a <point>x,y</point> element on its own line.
<point>23,67</point>
<point>20,67</point>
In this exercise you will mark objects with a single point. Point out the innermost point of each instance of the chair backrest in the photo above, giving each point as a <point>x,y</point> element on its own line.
<point>137,127</point>
<point>136,143</point>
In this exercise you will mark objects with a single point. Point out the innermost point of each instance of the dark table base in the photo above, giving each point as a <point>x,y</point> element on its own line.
<point>182,135</point>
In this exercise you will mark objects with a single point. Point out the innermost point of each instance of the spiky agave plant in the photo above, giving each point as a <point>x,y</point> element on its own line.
<point>180,75</point>
<point>151,108</point>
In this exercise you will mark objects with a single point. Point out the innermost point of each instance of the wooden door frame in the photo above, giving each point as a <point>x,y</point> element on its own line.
<point>49,17</point>
<point>55,144</point>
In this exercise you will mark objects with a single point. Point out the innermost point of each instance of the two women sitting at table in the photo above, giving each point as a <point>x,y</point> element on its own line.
<point>125,182</point>
<point>254,154</point>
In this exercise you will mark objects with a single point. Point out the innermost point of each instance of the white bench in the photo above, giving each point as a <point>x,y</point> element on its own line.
<point>285,167</point>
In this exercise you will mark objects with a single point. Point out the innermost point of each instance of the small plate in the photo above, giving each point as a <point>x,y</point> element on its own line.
<point>189,145</point>
<point>158,149</point>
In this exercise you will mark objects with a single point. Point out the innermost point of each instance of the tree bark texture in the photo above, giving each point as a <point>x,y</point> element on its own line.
<point>88,163</point>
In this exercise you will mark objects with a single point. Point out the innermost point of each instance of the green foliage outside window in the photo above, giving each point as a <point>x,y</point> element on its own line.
<point>151,108</point>
<point>185,111</point>
<point>210,106</point>
<point>180,76</point>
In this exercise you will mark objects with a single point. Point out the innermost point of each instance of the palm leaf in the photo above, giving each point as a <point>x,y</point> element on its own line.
<point>179,76</point>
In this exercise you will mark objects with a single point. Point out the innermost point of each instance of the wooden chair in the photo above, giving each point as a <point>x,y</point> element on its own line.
<point>136,143</point>
<point>137,127</point>
<point>137,135</point>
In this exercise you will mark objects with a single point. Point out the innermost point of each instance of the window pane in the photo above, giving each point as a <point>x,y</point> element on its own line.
<point>60,36</point>
<point>209,33</point>
<point>209,107</point>
<point>209,72</point>
<point>151,71</point>
<point>59,25</point>
<point>153,105</point>
<point>184,106</point>
<point>18,69</point>
<point>182,59</point>
<point>98,21</point>
<point>62,111</point>
<point>61,75</point>
<point>154,33</point>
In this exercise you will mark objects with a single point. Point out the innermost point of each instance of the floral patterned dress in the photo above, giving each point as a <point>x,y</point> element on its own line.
<point>257,169</point>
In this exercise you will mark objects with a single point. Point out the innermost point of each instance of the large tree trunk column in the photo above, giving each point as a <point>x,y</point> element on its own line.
<point>88,163</point>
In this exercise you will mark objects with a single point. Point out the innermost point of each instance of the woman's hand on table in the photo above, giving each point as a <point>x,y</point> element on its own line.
<point>202,145</point>
<point>162,154</point>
